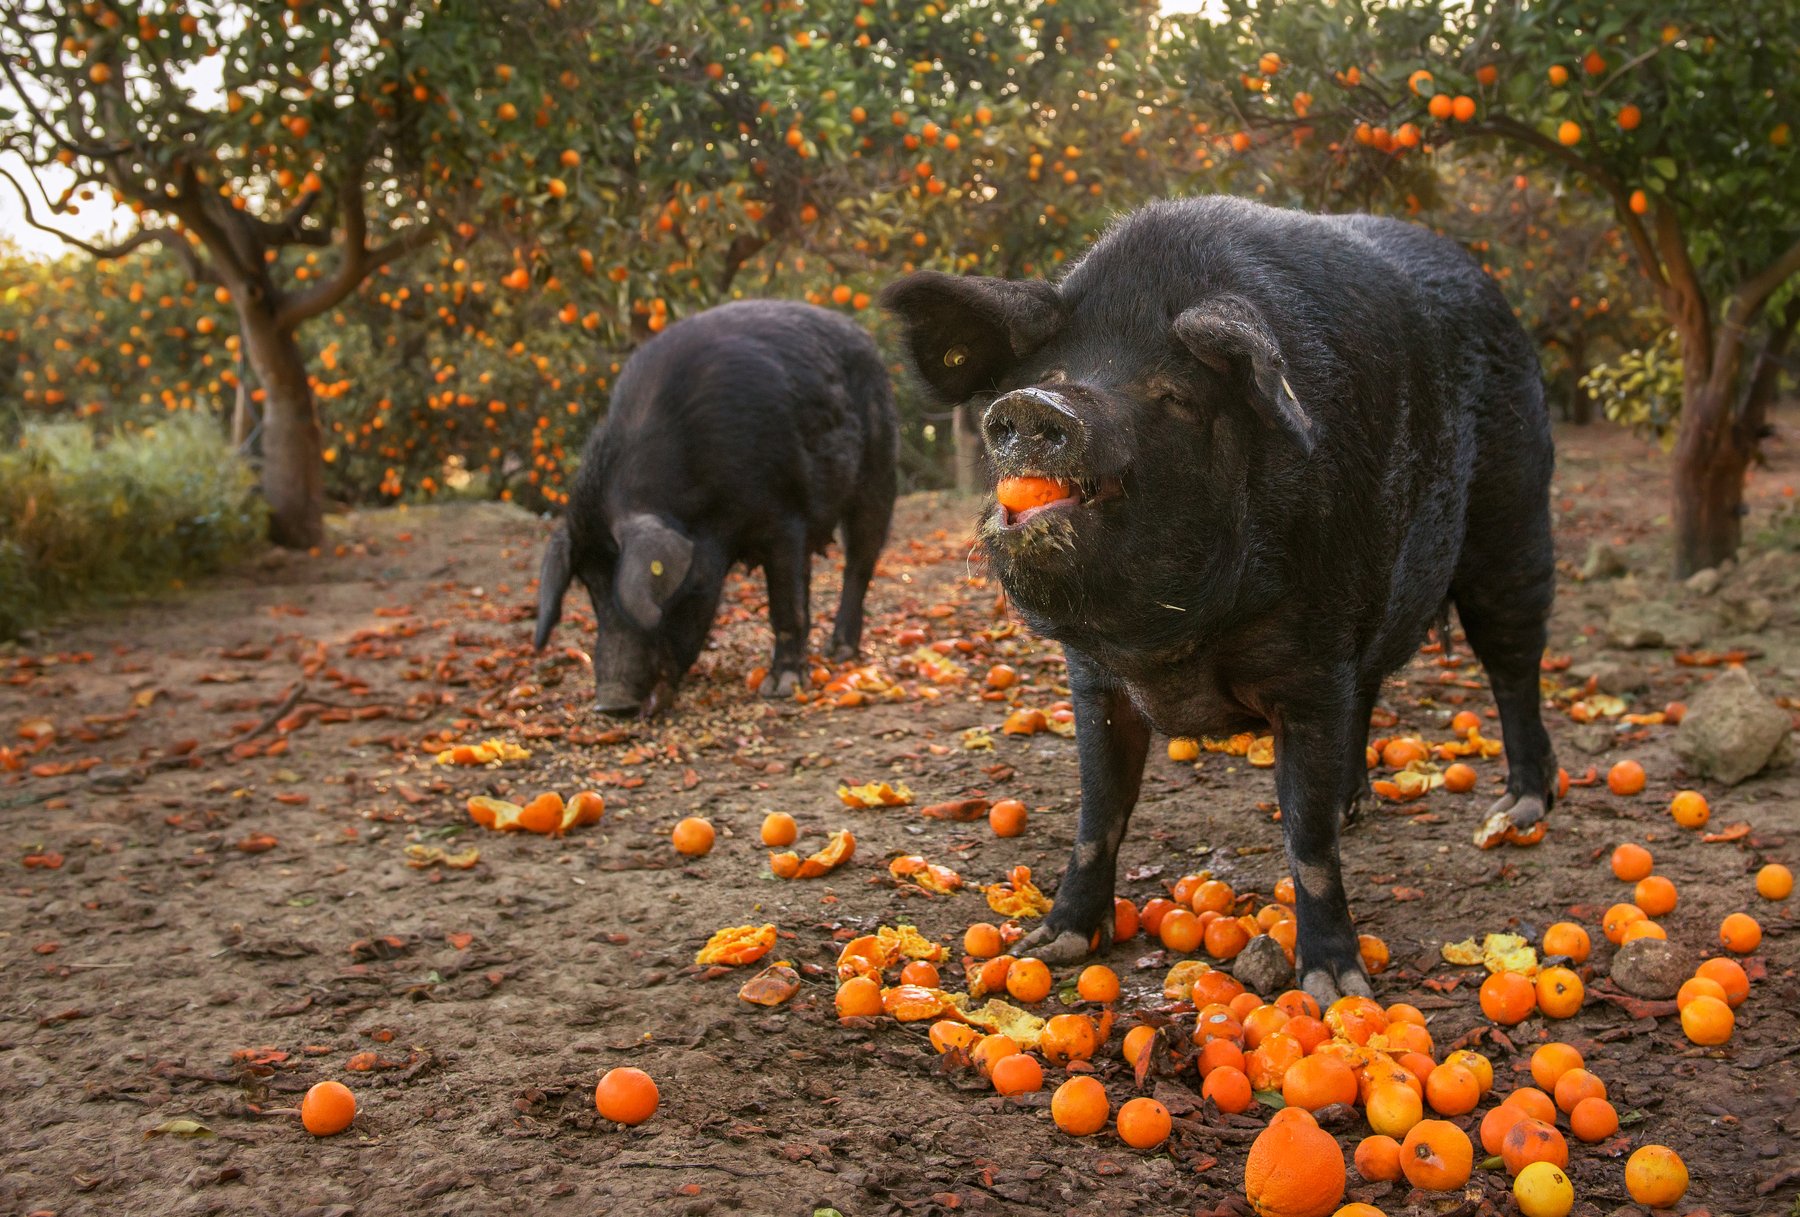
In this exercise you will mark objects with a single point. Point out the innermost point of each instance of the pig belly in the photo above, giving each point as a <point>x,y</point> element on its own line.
<point>1191,704</point>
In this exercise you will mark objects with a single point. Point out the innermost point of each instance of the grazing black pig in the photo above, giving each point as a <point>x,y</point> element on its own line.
<point>747,433</point>
<point>1278,446</point>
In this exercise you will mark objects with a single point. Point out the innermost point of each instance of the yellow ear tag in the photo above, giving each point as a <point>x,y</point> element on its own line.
<point>656,568</point>
<point>956,356</point>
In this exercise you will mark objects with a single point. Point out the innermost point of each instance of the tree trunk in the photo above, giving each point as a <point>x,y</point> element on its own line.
<point>1711,455</point>
<point>293,468</point>
<point>967,453</point>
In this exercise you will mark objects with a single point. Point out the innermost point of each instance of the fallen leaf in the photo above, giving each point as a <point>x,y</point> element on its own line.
<point>180,1128</point>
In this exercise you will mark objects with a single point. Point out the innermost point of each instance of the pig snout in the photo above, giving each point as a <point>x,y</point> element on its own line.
<point>1034,429</point>
<point>614,697</point>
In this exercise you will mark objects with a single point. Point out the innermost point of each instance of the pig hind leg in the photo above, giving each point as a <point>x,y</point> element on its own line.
<point>1505,580</point>
<point>788,570</point>
<point>865,531</point>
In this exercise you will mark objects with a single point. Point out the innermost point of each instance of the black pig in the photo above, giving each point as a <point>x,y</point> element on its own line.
<point>747,433</point>
<point>1285,444</point>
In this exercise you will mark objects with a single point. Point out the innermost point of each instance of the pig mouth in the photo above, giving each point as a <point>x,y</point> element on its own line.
<point>1084,492</point>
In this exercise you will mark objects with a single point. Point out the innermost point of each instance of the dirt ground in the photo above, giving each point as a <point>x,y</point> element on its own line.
<point>208,907</point>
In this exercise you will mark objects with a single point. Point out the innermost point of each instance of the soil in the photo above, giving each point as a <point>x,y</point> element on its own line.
<point>238,769</point>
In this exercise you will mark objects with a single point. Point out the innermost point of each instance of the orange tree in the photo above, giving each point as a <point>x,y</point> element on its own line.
<point>1677,113</point>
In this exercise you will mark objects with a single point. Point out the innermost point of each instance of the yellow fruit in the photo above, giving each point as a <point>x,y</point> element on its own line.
<point>1543,1190</point>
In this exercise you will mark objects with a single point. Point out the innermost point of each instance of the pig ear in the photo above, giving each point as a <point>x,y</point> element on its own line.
<point>963,333</point>
<point>1229,335</point>
<point>653,560</point>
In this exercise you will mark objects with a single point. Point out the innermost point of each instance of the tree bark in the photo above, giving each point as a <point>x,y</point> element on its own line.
<point>293,463</point>
<point>1711,456</point>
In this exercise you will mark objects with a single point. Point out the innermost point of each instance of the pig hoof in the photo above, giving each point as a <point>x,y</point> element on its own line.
<point>780,684</point>
<point>1327,986</point>
<point>1513,820</point>
<point>1065,948</point>
<point>842,652</point>
<point>1361,803</point>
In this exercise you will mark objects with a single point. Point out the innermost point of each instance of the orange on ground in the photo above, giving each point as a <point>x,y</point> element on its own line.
<point>1212,894</point>
<point>1642,929</point>
<point>1180,931</point>
<point>859,997</point>
<point>629,1096</point>
<point>1228,1088</point>
<point>1707,1021</point>
<point>1459,778</point>
<point>982,940</point>
<point>1219,1054</point>
<point>1392,1109</point>
<point>543,814</point>
<point>1226,938</point>
<point>1137,1041</point>
<point>1497,1123</point>
<point>1309,1031</point>
<point>1567,938</point>
<point>1028,979</point>
<point>1656,1177</point>
<point>1551,1061</point>
<point>1125,919</point>
<point>1007,818</point>
<point>1069,1037</point>
<point>1531,1141</point>
<point>1097,982</point>
<point>1399,753</point>
<point>1730,976</point>
<point>1217,1022</point>
<point>1507,998</point>
<point>1268,1065</point>
<point>1697,986</point>
<point>1740,933</point>
<point>1452,1090</point>
<point>1184,750</point>
<point>1533,1102</point>
<point>1418,1066</point>
<point>1374,953</point>
<point>1318,1081</point>
<point>1080,1106</point>
<point>947,1033</point>
<point>1377,1159</point>
<point>1593,1120</point>
<point>1655,894</point>
<point>1298,1002</point>
<point>1184,890</point>
<point>1774,882</point>
<point>1626,777</point>
<point>1559,992</point>
<point>1689,809</point>
<point>1576,1085</point>
<point>990,1050</point>
<point>779,830</point>
<point>1475,1063</point>
<point>693,837</point>
<point>327,1108</point>
<point>1617,918</point>
<point>1215,987</point>
<point>1263,1022</point>
<point>1631,862</point>
<point>1017,1074</point>
<point>921,972</point>
<point>1436,1156</point>
<point>1295,1169</point>
<point>1143,1123</point>
<point>1154,910</point>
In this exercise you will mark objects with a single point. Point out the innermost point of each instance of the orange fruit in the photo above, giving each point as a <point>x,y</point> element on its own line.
<point>1419,1066</point>
<point>629,1096</point>
<point>1022,494</point>
<point>1183,892</point>
<point>947,1033</point>
<point>1594,63</point>
<point>1017,1073</point>
<point>1656,1177</point>
<point>1298,1002</point>
<point>1263,1022</point>
<point>1559,75</point>
<point>1631,862</point>
<point>693,837</point>
<point>1459,778</point>
<point>1567,938</point>
<point>1463,108</point>
<point>1392,1109</point>
<point>1405,1039</point>
<point>1318,1081</point>
<point>1639,202</point>
<point>1774,882</point>
<point>1655,895</point>
<point>1309,1031</point>
<point>1559,992</point>
<point>1475,1063</point>
<point>1125,919</point>
<point>1080,1106</point>
<point>1028,980</point>
<point>1532,1140</point>
<point>1219,1054</point>
<point>1436,1156</point>
<point>1689,809</point>
<point>1143,1123</point>
<point>1377,1158</point>
<point>1284,890</point>
<point>1728,975</point>
<point>1399,753</point>
<point>1576,1085</point>
<point>1007,818</point>
<point>921,972</point>
<point>1154,910</point>
<point>327,1109</point>
<point>859,997</point>
<point>1268,1065</point>
<point>1497,1123</point>
<point>1241,1005</point>
<point>1593,1120</point>
<point>1452,1090</point>
<point>1184,750</point>
<point>982,940</point>
<point>1698,986</point>
<point>588,808</point>
<point>1551,1061</point>
<point>1533,1102</point>
<point>1180,931</point>
<point>1374,953</point>
<point>543,814</point>
<point>1212,894</point>
<point>1626,777</point>
<point>1465,721</point>
<point>1707,1021</point>
<point>1002,676</point>
<point>1507,998</point>
<point>1356,1018</point>
<point>779,830</point>
<point>1226,938</point>
<point>1617,918</point>
<point>1642,929</point>
<point>1097,982</point>
<point>1295,1169</point>
<point>1229,1089</point>
<point>1568,134</point>
<point>1214,988</point>
<point>990,1050</point>
<point>1740,933</point>
<point>1217,1022</point>
<point>1069,1037</point>
<point>1137,1041</point>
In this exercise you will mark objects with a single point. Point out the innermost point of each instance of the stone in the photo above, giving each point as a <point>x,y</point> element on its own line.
<point>1650,968</point>
<point>1704,582</point>
<point>1732,731</point>
<point>1593,738</point>
<point>1748,613</point>
<point>1654,623</point>
<point>1263,967</point>
<point>1603,562</point>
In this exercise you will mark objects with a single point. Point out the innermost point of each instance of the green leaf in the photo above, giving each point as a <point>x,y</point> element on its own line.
<point>1666,166</point>
<point>1269,1098</point>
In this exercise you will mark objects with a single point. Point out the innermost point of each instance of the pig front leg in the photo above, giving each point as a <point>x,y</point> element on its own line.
<point>1112,738</point>
<point>1318,762</point>
<point>789,574</point>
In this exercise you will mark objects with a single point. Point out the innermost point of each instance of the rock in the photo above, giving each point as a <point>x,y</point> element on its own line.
<point>1650,967</point>
<point>1751,614</point>
<point>1704,582</point>
<point>1263,967</point>
<point>1654,623</point>
<point>1603,562</point>
<point>1731,731</point>
<point>1616,676</point>
<point>1593,738</point>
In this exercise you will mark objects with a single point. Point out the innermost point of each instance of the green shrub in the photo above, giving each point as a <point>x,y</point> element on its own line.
<point>84,520</point>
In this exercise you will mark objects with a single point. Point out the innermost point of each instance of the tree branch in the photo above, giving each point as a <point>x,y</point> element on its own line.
<point>143,236</point>
<point>1751,294</point>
